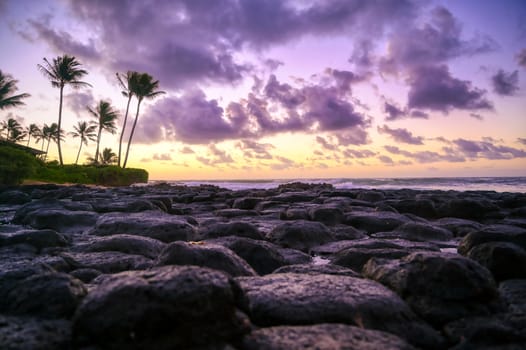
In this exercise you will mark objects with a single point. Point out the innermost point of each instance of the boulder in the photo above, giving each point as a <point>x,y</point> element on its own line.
<point>372,222</point>
<point>294,214</point>
<point>512,293</point>
<point>25,213</point>
<point>14,197</point>
<point>37,238</point>
<point>169,307</point>
<point>416,231</point>
<point>439,287</point>
<point>327,215</point>
<point>322,337</point>
<point>300,235</point>
<point>26,333</point>
<point>505,260</point>
<point>493,233</point>
<point>459,227</point>
<point>61,220</point>
<point>126,206</point>
<point>424,208</point>
<point>370,196</point>
<point>326,269</point>
<point>247,203</point>
<point>235,213</point>
<point>204,254</point>
<point>264,257</point>
<point>47,294</point>
<point>467,208</point>
<point>86,275</point>
<point>356,258</point>
<point>153,224</point>
<point>106,262</point>
<point>307,299</point>
<point>373,244</point>
<point>234,228</point>
<point>129,244</point>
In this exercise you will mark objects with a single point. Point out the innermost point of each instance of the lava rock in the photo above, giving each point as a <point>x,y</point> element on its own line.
<point>300,235</point>
<point>373,222</point>
<point>326,269</point>
<point>14,197</point>
<point>129,244</point>
<point>505,260</point>
<point>26,333</point>
<point>106,262</point>
<point>327,215</point>
<point>415,231</point>
<point>493,233</point>
<point>37,238</point>
<point>235,228</point>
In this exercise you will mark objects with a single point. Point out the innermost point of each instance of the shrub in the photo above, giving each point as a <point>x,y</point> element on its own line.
<point>16,165</point>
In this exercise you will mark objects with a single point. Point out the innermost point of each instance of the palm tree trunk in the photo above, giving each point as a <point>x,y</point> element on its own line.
<point>131,134</point>
<point>47,148</point>
<point>78,154</point>
<point>98,143</point>
<point>59,124</point>
<point>124,128</point>
<point>28,139</point>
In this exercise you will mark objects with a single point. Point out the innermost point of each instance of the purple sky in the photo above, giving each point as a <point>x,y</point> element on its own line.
<point>305,88</point>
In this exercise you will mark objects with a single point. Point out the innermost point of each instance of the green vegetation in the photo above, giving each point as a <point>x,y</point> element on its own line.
<point>16,165</point>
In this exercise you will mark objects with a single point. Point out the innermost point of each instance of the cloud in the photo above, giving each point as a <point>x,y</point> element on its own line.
<point>352,153</point>
<point>255,150</point>
<point>393,111</point>
<point>505,84</point>
<point>401,135</point>
<point>419,114</point>
<point>284,163</point>
<point>521,58</point>
<point>433,87</point>
<point>476,116</point>
<point>487,150</point>
<point>425,157</point>
<point>326,144</point>
<point>433,42</point>
<point>162,156</point>
<point>386,160</point>
<point>78,101</point>
<point>521,140</point>
<point>215,156</point>
<point>186,150</point>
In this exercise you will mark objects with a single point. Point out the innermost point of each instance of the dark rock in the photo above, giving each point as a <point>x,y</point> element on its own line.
<point>86,275</point>
<point>264,257</point>
<point>205,255</point>
<point>25,213</point>
<point>327,269</point>
<point>303,299</point>
<point>25,333</point>
<point>512,293</point>
<point>295,197</point>
<point>328,215</point>
<point>373,222</point>
<point>49,294</point>
<point>373,243</point>
<point>128,244</point>
<point>246,203</point>
<point>321,337</point>
<point>236,228</point>
<point>467,208</point>
<point>294,214</point>
<point>153,224</point>
<point>14,197</point>
<point>170,307</point>
<point>235,213</point>
<point>293,256</point>
<point>459,227</point>
<point>61,220</point>
<point>126,206</point>
<point>423,208</point>
<point>300,235</point>
<point>345,232</point>
<point>370,196</point>
<point>356,258</point>
<point>37,238</point>
<point>494,233</point>
<point>414,231</point>
<point>505,260</point>
<point>440,287</point>
<point>107,262</point>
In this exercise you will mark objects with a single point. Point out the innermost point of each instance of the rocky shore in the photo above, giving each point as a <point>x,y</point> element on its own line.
<point>296,267</point>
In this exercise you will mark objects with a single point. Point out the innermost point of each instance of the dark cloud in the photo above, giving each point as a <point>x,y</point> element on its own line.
<point>505,84</point>
<point>386,160</point>
<point>434,42</point>
<point>425,157</point>
<point>284,163</point>
<point>255,150</point>
<point>162,156</point>
<point>488,150</point>
<point>476,116</point>
<point>393,111</point>
<point>325,144</point>
<point>362,54</point>
<point>352,153</point>
<point>78,101</point>
<point>521,58</point>
<point>419,114</point>
<point>433,87</point>
<point>215,156</point>
<point>187,150</point>
<point>522,140</point>
<point>401,135</point>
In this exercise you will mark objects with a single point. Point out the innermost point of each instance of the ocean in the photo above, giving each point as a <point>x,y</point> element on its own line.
<point>497,184</point>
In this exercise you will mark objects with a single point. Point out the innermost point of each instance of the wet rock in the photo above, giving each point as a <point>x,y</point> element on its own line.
<point>370,196</point>
<point>327,269</point>
<point>374,243</point>
<point>263,257</point>
<point>439,287</point>
<point>321,337</point>
<point>505,260</point>
<point>423,208</point>
<point>303,299</point>
<point>512,293</point>
<point>373,222</point>
<point>235,213</point>
<point>26,333</point>
<point>356,258</point>
<point>14,197</point>
<point>493,233</point>
<point>235,228</point>
<point>126,206</point>
<point>459,227</point>
<point>206,255</point>
<point>246,203</point>
<point>327,215</point>
<point>170,307</point>
<point>300,235</point>
<point>467,208</point>
<point>415,231</point>
<point>153,224</point>
<point>37,238</point>
<point>48,294</point>
<point>129,244</point>
<point>106,262</point>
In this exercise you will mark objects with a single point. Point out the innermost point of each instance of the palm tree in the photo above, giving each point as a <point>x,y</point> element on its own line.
<point>51,133</point>
<point>106,117</point>
<point>108,156</point>
<point>86,132</point>
<point>143,86</point>
<point>14,131</point>
<point>126,82</point>
<point>32,130</point>
<point>62,71</point>
<point>8,87</point>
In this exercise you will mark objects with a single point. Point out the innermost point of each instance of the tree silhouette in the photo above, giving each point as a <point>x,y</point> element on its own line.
<point>64,70</point>
<point>7,88</point>
<point>143,86</point>
<point>108,156</point>
<point>106,117</point>
<point>85,132</point>
<point>32,130</point>
<point>14,131</point>
<point>51,133</point>
<point>126,82</point>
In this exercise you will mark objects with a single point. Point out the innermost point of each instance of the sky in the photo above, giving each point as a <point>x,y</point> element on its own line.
<point>281,89</point>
